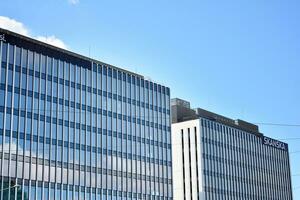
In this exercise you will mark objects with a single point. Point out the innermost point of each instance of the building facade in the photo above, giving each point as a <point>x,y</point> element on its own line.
<point>75,128</point>
<point>215,157</point>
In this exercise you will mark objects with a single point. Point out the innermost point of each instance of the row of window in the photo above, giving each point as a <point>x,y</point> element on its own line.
<point>61,69</point>
<point>237,163</point>
<point>80,94</point>
<point>246,180</point>
<point>212,193</point>
<point>241,149</point>
<point>108,166</point>
<point>72,118</point>
<point>66,132</point>
<point>86,140</point>
<point>32,84</point>
<point>135,151</point>
<point>37,190</point>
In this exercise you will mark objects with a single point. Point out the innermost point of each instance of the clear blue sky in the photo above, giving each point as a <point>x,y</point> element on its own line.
<point>237,58</point>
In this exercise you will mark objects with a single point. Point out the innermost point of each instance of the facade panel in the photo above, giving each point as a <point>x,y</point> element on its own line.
<point>235,162</point>
<point>75,128</point>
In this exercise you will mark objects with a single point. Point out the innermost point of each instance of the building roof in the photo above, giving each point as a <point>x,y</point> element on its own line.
<point>181,112</point>
<point>50,50</point>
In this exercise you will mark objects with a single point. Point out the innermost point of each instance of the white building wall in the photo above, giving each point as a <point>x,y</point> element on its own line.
<point>177,164</point>
<point>185,173</point>
<point>234,164</point>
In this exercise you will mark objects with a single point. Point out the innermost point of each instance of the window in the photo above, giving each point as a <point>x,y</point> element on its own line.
<point>4,52</point>
<point>8,100</point>
<point>2,97</point>
<point>30,60</point>
<point>49,66</point>
<point>10,77</point>
<point>24,81</point>
<point>3,75</point>
<point>61,70</point>
<point>43,64</point>
<point>17,79</point>
<point>104,141</point>
<point>67,71</point>
<point>72,73</point>
<point>36,62</point>
<point>55,67</point>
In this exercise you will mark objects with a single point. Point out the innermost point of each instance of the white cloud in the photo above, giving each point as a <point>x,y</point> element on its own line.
<point>19,27</point>
<point>13,25</point>
<point>52,40</point>
<point>73,2</point>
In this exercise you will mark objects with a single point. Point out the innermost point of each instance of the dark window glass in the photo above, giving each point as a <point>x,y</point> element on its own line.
<point>37,62</point>
<point>49,65</point>
<point>11,54</point>
<point>3,75</point>
<point>24,81</point>
<point>18,56</point>
<point>17,79</point>
<point>66,71</point>
<point>24,58</point>
<point>15,123</point>
<point>2,97</point>
<point>4,52</point>
<point>30,59</point>
<point>72,73</point>
<point>61,69</point>
<point>55,67</point>
<point>10,77</point>
<point>8,100</point>
<point>30,83</point>
<point>43,64</point>
<point>1,123</point>
<point>16,101</point>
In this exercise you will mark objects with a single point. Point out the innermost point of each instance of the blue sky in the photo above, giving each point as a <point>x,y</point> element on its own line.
<point>237,58</point>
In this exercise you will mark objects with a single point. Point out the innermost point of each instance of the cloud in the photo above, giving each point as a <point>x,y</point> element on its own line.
<point>13,25</point>
<point>73,2</point>
<point>19,27</point>
<point>52,40</point>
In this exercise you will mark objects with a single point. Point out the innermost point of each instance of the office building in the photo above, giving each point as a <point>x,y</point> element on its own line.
<point>72,127</point>
<point>215,157</point>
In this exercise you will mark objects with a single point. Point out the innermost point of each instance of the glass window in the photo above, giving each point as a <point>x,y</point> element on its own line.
<point>17,79</point>
<point>104,141</point>
<point>30,83</point>
<point>24,58</point>
<point>1,123</point>
<point>61,69</point>
<point>49,66</point>
<point>16,101</point>
<point>3,75</point>
<point>55,67</point>
<point>37,62</point>
<point>83,76</point>
<point>2,97</point>
<point>30,60</point>
<point>4,52</point>
<point>104,79</point>
<point>72,73</point>
<point>32,192</point>
<point>82,157</point>
<point>8,100</point>
<point>46,193</point>
<point>18,56</point>
<point>24,81</point>
<point>9,78</point>
<point>43,64</point>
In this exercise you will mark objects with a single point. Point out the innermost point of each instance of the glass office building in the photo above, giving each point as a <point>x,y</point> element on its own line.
<point>215,158</point>
<point>75,128</point>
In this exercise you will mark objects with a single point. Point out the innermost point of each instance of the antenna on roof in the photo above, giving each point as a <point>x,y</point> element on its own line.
<point>89,51</point>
